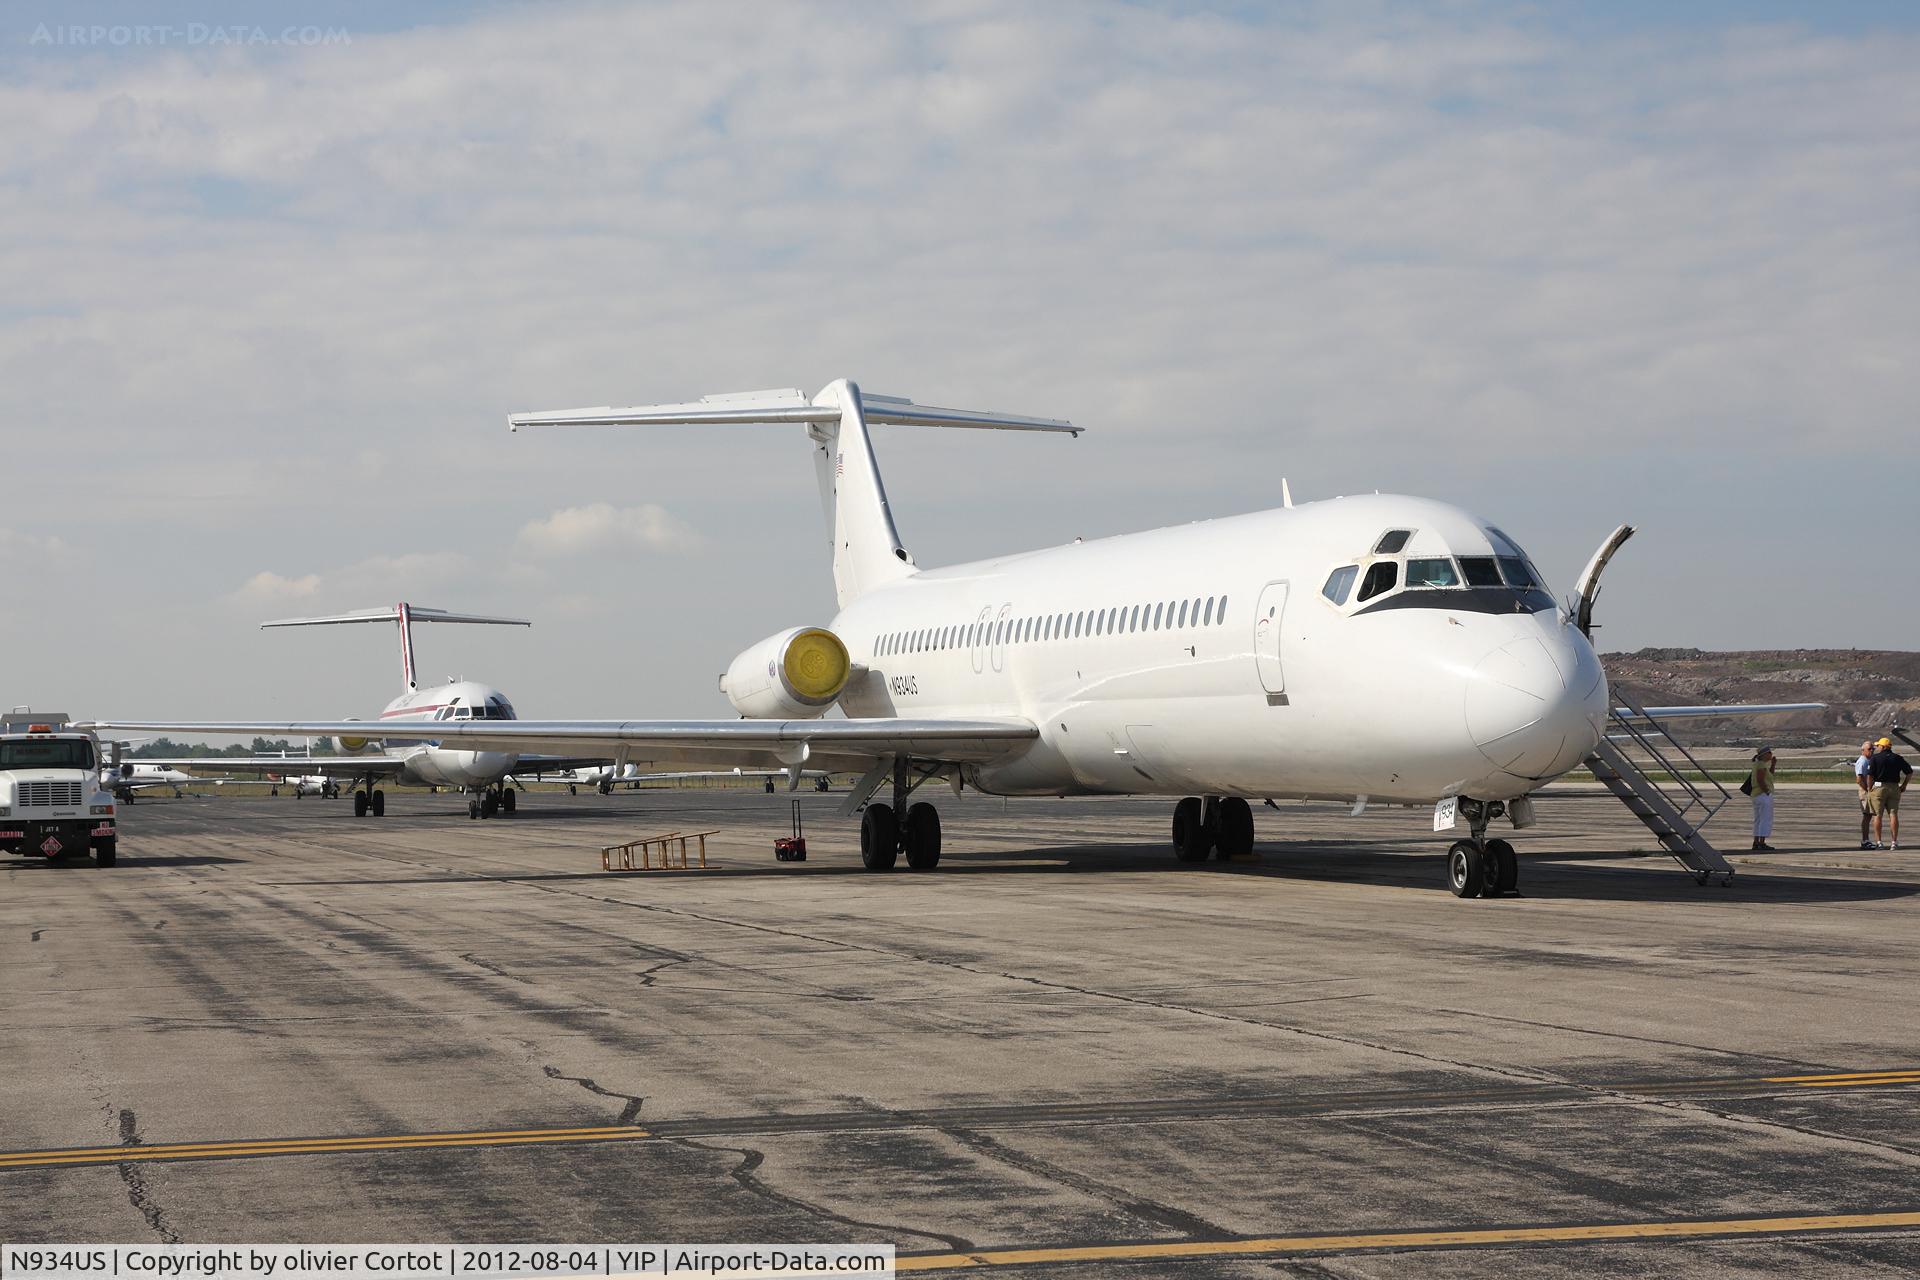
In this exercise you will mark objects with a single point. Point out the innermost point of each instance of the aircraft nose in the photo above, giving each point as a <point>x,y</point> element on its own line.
<point>1535,705</point>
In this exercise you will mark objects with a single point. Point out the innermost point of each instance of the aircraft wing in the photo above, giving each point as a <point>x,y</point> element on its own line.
<point>376,764</point>
<point>749,743</point>
<point>1718,709</point>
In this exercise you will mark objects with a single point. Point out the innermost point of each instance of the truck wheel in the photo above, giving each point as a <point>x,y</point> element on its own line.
<point>105,852</point>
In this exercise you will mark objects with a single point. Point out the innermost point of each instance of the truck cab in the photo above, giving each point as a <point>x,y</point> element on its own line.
<point>52,803</point>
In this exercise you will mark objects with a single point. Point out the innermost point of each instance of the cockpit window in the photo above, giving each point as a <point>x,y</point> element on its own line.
<point>1480,571</point>
<point>1391,543</point>
<point>1433,572</point>
<point>1382,576</point>
<point>1340,583</point>
<point>1517,574</point>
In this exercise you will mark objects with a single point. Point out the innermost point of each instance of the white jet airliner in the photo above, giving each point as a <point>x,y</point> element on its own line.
<point>1365,649</point>
<point>400,747</point>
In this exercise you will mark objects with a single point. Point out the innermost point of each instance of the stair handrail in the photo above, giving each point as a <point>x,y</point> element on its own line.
<point>1645,741</point>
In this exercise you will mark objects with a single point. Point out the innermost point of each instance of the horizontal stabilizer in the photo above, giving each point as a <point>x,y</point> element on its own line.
<point>761,408</point>
<point>414,613</point>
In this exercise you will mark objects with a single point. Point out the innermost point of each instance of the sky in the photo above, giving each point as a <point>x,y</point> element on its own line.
<point>276,274</point>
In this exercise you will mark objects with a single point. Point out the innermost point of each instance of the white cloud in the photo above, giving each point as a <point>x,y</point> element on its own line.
<point>601,526</point>
<point>45,546</point>
<point>417,577</point>
<point>268,586</point>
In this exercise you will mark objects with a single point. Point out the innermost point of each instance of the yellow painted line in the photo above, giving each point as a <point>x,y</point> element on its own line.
<point>315,1146</point>
<point>1406,1240</point>
<point>1855,1084</point>
<point>1846,1077</point>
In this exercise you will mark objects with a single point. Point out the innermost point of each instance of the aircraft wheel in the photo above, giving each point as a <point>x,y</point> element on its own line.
<point>1466,870</point>
<point>606,788</point>
<point>473,808</point>
<point>1503,869</point>
<point>1191,840</point>
<point>360,804</point>
<point>105,851</point>
<point>379,803</point>
<point>572,790</point>
<point>923,837</point>
<point>879,838</point>
<point>489,805</point>
<point>769,786</point>
<point>1235,837</point>
<point>507,801</point>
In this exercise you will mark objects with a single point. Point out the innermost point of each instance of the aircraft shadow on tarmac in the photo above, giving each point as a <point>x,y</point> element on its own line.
<point>1542,876</point>
<point>122,863</point>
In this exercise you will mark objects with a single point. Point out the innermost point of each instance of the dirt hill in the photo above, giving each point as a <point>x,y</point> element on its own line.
<point>1864,689</point>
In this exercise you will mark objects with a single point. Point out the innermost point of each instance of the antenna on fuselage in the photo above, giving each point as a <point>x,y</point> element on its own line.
<point>403,615</point>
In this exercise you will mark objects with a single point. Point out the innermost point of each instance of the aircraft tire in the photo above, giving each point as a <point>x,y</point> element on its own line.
<point>572,790</point>
<point>1503,869</point>
<point>1235,837</point>
<point>379,803</point>
<point>1466,869</point>
<point>769,786</point>
<point>1191,840</point>
<point>359,804</point>
<point>879,838</point>
<point>507,801</point>
<point>473,809</point>
<point>105,851</point>
<point>488,805</point>
<point>923,837</point>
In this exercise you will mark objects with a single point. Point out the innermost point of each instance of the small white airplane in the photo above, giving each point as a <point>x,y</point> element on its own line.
<point>130,777</point>
<point>404,745</point>
<point>323,785</point>
<point>1374,649</point>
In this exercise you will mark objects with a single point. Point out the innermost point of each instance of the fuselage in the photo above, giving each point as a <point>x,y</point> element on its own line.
<point>423,761</point>
<point>1310,651</point>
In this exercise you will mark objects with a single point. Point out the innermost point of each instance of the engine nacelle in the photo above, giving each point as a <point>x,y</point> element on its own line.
<point>355,746</point>
<point>794,675</point>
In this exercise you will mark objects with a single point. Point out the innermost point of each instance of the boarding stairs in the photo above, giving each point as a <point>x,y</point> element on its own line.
<point>1675,811</point>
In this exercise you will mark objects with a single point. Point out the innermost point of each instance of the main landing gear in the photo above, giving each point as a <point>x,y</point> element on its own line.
<point>488,801</point>
<point>369,799</point>
<point>1220,825</point>
<point>1478,867</point>
<point>888,830</point>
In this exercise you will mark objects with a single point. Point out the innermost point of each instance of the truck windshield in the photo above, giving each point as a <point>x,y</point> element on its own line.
<point>46,753</point>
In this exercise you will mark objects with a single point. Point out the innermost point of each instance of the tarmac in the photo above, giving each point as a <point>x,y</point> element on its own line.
<point>1062,1053</point>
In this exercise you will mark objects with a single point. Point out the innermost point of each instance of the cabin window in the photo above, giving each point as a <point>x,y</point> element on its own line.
<point>1436,571</point>
<point>1480,571</point>
<point>1209,617</point>
<point>1220,616</point>
<point>1340,583</point>
<point>1079,624</point>
<point>1518,573</point>
<point>1392,542</point>
<point>1382,576</point>
<point>1156,616</point>
<point>1183,614</point>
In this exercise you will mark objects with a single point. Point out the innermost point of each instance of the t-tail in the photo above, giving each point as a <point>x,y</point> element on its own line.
<point>402,615</point>
<point>866,546</point>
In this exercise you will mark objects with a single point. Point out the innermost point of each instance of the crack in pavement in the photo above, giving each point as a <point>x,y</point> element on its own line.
<point>135,1177</point>
<point>629,1114</point>
<point>751,1160</point>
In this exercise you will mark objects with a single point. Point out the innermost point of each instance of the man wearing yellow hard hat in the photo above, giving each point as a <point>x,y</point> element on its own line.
<point>1890,775</point>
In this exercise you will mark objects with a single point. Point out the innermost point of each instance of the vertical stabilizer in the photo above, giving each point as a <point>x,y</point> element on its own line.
<point>866,545</point>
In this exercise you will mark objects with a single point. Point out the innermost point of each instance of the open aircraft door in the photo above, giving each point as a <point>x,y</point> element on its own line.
<point>1588,588</point>
<point>1267,620</point>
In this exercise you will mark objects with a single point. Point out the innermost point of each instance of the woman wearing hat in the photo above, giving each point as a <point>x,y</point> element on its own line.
<point>1759,785</point>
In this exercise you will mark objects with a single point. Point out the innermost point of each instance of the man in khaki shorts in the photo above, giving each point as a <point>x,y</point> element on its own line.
<point>1863,778</point>
<point>1890,775</point>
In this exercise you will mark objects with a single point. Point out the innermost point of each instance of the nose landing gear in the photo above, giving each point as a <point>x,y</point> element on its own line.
<point>1478,867</point>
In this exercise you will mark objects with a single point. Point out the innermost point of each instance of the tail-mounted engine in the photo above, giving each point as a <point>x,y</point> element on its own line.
<point>795,675</point>
<point>356,746</point>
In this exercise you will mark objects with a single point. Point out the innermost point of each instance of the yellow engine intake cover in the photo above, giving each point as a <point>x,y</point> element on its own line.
<point>817,665</point>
